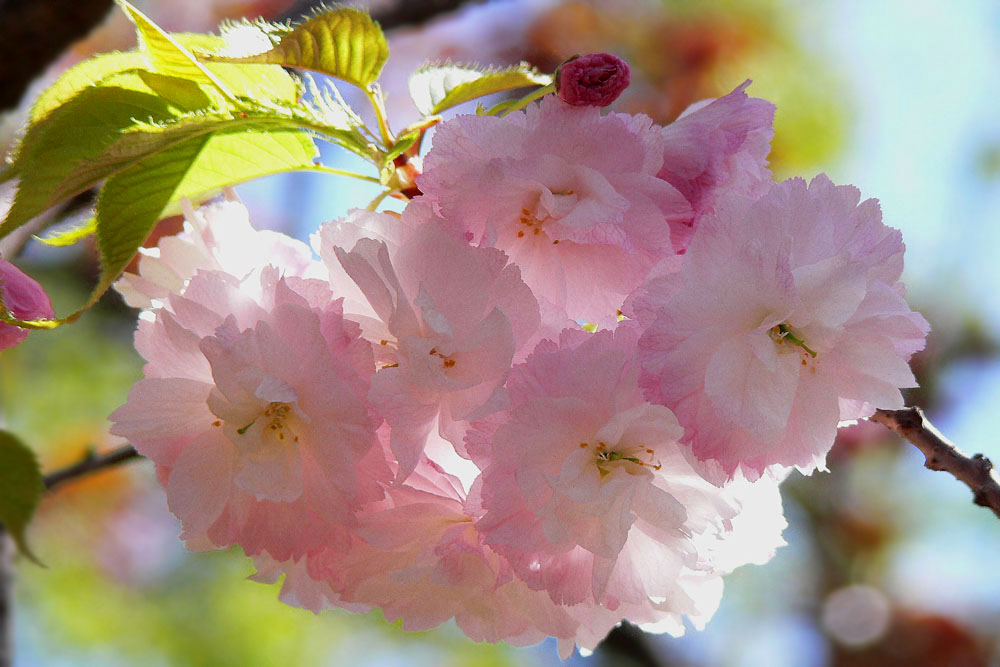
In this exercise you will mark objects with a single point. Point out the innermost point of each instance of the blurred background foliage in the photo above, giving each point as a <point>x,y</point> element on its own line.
<point>887,563</point>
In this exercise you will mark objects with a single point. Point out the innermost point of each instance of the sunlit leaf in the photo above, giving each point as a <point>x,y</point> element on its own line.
<point>167,54</point>
<point>68,237</point>
<point>438,87</point>
<point>53,158</point>
<point>133,200</point>
<point>260,83</point>
<point>82,75</point>
<point>343,43</point>
<point>21,488</point>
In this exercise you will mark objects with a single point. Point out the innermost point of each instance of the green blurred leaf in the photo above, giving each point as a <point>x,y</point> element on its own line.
<point>435,88</point>
<point>70,236</point>
<point>167,54</point>
<point>21,489</point>
<point>344,43</point>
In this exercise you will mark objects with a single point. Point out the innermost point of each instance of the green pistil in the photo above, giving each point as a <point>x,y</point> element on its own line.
<point>784,332</point>
<point>615,456</point>
<point>242,431</point>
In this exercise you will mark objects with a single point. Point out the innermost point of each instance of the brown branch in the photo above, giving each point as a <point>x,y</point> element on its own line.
<point>90,463</point>
<point>975,471</point>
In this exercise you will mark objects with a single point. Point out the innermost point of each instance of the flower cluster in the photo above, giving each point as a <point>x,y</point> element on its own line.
<point>425,420</point>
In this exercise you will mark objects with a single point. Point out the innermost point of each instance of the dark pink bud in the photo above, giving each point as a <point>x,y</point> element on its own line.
<point>593,80</point>
<point>24,298</point>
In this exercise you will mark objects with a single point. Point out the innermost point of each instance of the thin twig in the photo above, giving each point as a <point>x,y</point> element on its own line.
<point>91,463</point>
<point>975,471</point>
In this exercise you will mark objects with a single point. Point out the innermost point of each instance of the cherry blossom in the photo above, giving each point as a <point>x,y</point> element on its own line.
<point>715,147</point>
<point>570,195</point>
<point>586,491</point>
<point>254,409</point>
<point>216,236</point>
<point>454,316</point>
<point>786,317</point>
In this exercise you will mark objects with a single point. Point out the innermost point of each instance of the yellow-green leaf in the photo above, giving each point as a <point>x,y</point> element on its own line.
<point>198,168</point>
<point>54,158</point>
<point>67,237</point>
<point>344,43</point>
<point>167,54</point>
<point>82,75</point>
<point>21,489</point>
<point>438,87</point>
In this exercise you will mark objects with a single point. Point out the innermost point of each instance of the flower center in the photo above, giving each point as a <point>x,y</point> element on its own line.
<point>784,334</point>
<point>447,362</point>
<point>531,222</point>
<point>273,423</point>
<point>609,458</point>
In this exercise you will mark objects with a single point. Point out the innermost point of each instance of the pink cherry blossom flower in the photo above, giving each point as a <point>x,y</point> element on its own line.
<point>570,195</point>
<point>417,556</point>
<point>455,315</point>
<point>596,79</point>
<point>24,299</point>
<point>216,236</point>
<point>587,493</point>
<point>786,317</point>
<point>716,147</point>
<point>254,410</point>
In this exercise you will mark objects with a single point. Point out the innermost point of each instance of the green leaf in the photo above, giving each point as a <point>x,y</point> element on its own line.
<point>53,159</point>
<point>167,54</point>
<point>255,82</point>
<point>403,143</point>
<point>67,237</point>
<point>438,87</point>
<point>21,488</point>
<point>343,43</point>
<point>182,93</point>
<point>88,73</point>
<point>134,199</point>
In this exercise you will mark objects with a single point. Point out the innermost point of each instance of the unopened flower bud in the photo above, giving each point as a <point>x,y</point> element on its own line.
<point>23,298</point>
<point>596,79</point>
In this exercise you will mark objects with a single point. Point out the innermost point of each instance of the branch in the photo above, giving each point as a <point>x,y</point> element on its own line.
<point>90,463</point>
<point>975,471</point>
<point>627,644</point>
